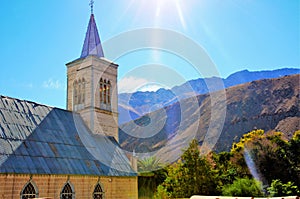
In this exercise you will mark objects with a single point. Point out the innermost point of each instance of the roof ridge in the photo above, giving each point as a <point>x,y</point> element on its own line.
<point>32,102</point>
<point>24,100</point>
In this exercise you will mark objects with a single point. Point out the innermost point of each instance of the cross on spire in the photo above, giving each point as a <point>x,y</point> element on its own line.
<point>92,6</point>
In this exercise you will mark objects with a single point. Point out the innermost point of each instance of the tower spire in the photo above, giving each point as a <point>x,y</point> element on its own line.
<point>92,43</point>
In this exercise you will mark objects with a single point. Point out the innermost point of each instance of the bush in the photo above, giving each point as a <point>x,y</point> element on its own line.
<point>243,187</point>
<point>277,188</point>
<point>161,193</point>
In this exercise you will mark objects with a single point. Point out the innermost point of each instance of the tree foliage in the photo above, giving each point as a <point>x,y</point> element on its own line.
<point>267,156</point>
<point>278,188</point>
<point>259,160</point>
<point>190,176</point>
<point>243,187</point>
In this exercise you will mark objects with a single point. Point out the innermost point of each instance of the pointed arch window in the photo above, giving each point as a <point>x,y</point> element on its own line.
<point>67,192</point>
<point>105,93</point>
<point>108,92</point>
<point>98,192</point>
<point>29,191</point>
<point>75,97</point>
<point>82,92</point>
<point>79,94</point>
<point>101,84</point>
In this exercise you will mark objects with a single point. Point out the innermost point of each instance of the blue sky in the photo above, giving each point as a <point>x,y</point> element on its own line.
<point>38,37</point>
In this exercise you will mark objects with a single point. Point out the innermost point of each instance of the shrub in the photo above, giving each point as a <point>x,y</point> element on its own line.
<point>161,193</point>
<point>243,187</point>
<point>277,188</point>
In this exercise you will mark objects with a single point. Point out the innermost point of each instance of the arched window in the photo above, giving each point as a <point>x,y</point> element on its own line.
<point>75,86</point>
<point>29,191</point>
<point>108,92</point>
<point>98,192</point>
<point>105,93</point>
<point>67,192</point>
<point>101,90</point>
<point>79,92</point>
<point>82,92</point>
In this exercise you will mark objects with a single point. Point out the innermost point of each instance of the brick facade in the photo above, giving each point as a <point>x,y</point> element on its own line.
<point>51,186</point>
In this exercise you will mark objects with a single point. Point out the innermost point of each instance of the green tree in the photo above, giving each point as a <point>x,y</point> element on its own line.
<point>226,172</point>
<point>238,152</point>
<point>161,193</point>
<point>264,155</point>
<point>238,147</point>
<point>269,160</point>
<point>191,175</point>
<point>293,156</point>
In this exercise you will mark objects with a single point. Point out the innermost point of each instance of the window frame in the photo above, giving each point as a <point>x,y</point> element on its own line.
<point>79,89</point>
<point>105,94</point>
<point>75,93</point>
<point>102,192</point>
<point>72,189</point>
<point>28,194</point>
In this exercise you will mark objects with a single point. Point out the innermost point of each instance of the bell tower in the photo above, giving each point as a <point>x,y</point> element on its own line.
<point>92,85</point>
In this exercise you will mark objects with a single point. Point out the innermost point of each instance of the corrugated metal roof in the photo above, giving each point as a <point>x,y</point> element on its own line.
<point>37,139</point>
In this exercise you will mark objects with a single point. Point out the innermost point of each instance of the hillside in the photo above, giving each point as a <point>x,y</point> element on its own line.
<point>134,105</point>
<point>269,104</point>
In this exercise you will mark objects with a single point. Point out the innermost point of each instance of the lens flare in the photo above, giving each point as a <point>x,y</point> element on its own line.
<point>251,165</point>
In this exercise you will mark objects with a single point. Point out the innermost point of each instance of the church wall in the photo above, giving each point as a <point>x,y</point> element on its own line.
<point>105,123</point>
<point>51,186</point>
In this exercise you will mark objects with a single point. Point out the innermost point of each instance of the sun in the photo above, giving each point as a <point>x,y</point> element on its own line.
<point>170,8</point>
<point>161,12</point>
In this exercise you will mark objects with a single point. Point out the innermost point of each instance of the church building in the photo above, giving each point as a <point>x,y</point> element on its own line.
<point>47,152</point>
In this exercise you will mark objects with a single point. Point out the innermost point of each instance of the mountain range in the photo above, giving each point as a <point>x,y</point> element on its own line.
<point>135,105</point>
<point>216,119</point>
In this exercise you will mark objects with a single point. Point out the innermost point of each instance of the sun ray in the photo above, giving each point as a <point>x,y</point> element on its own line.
<point>158,8</point>
<point>180,14</point>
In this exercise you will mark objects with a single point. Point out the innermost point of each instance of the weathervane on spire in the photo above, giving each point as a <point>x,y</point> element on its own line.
<point>92,6</point>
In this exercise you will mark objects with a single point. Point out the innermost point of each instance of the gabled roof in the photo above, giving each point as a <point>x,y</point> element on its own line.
<point>38,139</point>
<point>92,44</point>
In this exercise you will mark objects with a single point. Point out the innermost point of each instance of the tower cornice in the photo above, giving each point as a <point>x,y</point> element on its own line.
<point>92,59</point>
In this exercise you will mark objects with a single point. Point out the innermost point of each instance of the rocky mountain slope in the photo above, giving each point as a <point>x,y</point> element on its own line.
<point>134,105</point>
<point>216,119</point>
